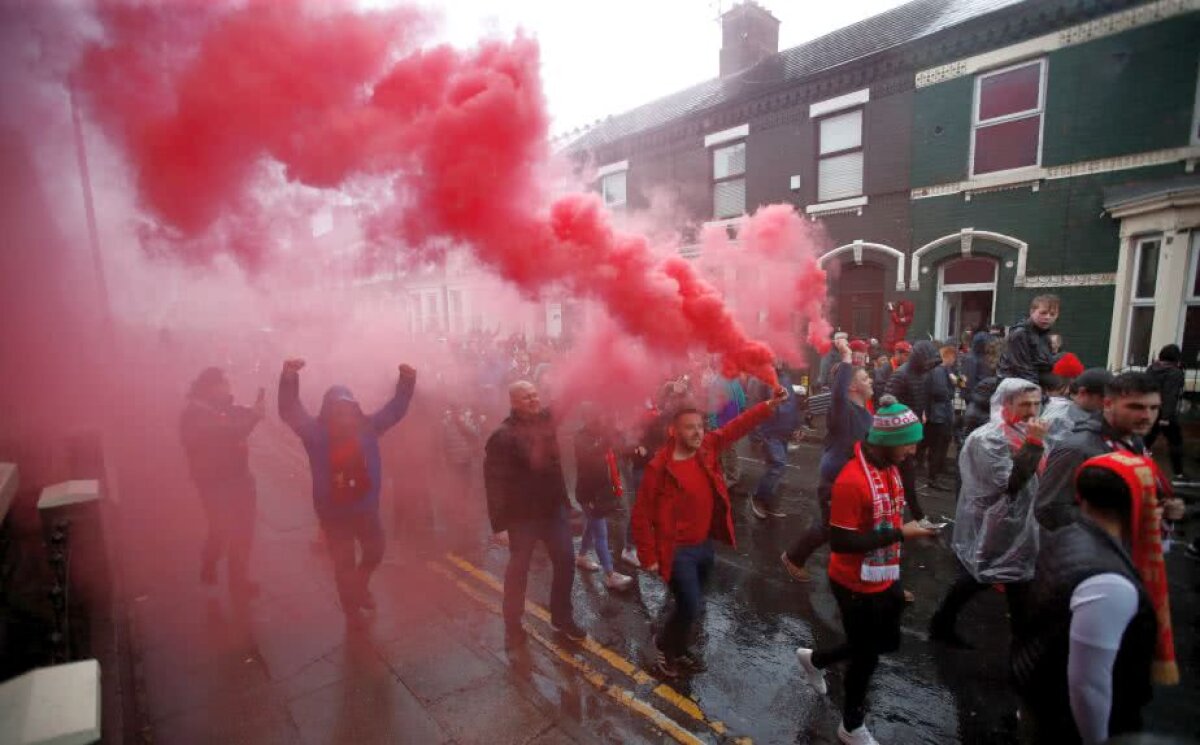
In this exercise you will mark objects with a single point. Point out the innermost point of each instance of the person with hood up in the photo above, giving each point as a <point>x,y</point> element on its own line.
<point>1098,633</point>
<point>910,386</point>
<point>1167,371</point>
<point>342,444</point>
<point>1027,355</point>
<point>975,365</point>
<point>214,432</point>
<point>682,507</point>
<point>995,534</point>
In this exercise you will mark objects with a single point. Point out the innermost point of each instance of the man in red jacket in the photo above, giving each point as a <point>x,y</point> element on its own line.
<point>682,506</point>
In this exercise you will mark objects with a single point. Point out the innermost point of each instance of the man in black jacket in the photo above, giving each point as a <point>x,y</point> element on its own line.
<point>910,385</point>
<point>1131,407</point>
<point>527,497</point>
<point>1028,354</point>
<point>1168,373</point>
<point>214,432</point>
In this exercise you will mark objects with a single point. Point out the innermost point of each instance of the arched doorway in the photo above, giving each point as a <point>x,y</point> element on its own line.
<point>966,295</point>
<point>858,300</point>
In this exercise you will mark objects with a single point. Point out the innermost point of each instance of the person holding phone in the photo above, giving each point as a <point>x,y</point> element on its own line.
<point>214,432</point>
<point>866,532</point>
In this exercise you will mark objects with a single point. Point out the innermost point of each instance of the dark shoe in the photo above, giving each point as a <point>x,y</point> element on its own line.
<point>943,634</point>
<point>515,636</point>
<point>208,573</point>
<point>797,572</point>
<point>571,630</point>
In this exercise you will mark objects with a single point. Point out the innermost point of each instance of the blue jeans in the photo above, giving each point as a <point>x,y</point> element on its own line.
<point>690,570</point>
<point>595,533</point>
<point>775,453</point>
<point>523,536</point>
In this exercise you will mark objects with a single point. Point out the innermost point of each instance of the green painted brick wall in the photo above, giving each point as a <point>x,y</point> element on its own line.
<point>1122,94</point>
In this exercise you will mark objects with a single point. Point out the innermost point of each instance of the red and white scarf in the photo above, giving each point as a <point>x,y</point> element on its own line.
<point>887,507</point>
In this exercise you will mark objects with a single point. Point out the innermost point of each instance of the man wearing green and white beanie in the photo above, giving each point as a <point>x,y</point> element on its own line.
<point>866,529</point>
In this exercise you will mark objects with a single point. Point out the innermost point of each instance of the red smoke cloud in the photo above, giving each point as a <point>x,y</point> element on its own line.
<point>792,287</point>
<point>203,97</point>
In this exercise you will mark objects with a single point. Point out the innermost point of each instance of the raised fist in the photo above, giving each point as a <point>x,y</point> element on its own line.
<point>408,372</point>
<point>293,365</point>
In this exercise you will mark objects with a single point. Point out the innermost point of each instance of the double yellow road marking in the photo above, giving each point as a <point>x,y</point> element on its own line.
<point>613,659</point>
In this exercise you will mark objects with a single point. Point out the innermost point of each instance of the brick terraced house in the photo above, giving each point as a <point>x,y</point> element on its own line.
<point>963,154</point>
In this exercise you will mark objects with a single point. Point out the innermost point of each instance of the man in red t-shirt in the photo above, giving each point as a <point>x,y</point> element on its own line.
<point>866,529</point>
<point>682,506</point>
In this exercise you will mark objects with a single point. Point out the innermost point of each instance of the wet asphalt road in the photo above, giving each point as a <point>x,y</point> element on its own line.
<point>757,615</point>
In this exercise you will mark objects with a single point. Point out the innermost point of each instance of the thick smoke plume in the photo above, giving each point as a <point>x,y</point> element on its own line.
<point>203,98</point>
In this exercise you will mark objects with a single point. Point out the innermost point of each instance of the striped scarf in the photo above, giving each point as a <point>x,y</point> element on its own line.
<point>887,506</point>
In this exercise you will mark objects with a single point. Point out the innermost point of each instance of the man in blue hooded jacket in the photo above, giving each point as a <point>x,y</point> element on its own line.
<point>343,454</point>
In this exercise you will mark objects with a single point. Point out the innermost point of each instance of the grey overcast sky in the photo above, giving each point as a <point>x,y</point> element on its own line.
<point>601,58</point>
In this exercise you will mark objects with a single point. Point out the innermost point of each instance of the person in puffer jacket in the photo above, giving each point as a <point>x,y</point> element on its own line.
<point>343,455</point>
<point>910,385</point>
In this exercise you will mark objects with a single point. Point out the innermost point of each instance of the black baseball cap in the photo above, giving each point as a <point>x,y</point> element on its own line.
<point>1092,380</point>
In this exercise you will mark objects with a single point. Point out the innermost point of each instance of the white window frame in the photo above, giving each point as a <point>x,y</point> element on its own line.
<point>612,169</point>
<point>1134,301</point>
<point>1189,300</point>
<point>862,142</point>
<point>713,180</point>
<point>1040,112</point>
<point>604,189</point>
<point>939,326</point>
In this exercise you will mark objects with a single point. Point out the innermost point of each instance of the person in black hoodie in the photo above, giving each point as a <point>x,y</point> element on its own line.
<point>1168,373</point>
<point>1028,355</point>
<point>910,385</point>
<point>975,365</point>
<point>214,432</point>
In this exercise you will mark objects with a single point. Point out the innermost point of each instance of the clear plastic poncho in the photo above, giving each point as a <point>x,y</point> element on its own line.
<point>995,533</point>
<point>1059,422</point>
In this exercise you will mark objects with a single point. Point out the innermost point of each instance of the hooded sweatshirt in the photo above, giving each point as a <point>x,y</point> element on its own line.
<point>910,383</point>
<point>332,499</point>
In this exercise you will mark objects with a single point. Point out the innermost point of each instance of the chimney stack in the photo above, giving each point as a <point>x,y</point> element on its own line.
<point>749,34</point>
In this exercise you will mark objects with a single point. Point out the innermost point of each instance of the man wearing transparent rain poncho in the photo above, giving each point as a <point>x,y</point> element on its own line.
<point>995,532</point>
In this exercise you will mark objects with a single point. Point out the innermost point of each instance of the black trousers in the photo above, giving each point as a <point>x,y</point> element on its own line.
<point>908,475</point>
<point>938,437</point>
<point>872,625</point>
<point>1174,435</point>
<point>966,587</point>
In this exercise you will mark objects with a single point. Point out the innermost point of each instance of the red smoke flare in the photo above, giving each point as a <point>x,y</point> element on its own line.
<point>200,100</point>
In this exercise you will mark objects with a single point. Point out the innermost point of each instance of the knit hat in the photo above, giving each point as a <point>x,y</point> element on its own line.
<point>894,425</point>
<point>1068,366</point>
<point>858,345</point>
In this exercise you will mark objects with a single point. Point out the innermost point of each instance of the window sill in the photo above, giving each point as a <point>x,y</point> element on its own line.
<point>840,206</point>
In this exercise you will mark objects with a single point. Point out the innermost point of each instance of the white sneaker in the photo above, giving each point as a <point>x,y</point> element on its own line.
<point>813,674</point>
<point>629,556</point>
<point>860,736</point>
<point>586,564</point>
<point>617,581</point>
